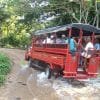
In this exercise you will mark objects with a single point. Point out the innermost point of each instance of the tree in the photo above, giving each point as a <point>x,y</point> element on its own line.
<point>19,18</point>
<point>16,27</point>
<point>68,11</point>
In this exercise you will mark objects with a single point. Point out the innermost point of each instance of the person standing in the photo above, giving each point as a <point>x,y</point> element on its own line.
<point>87,52</point>
<point>89,48</point>
<point>72,45</point>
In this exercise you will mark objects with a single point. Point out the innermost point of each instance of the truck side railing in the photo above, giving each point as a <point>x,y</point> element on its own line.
<point>52,48</point>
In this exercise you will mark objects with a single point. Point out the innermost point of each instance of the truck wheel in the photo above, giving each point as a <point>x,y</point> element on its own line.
<point>48,72</point>
<point>30,63</point>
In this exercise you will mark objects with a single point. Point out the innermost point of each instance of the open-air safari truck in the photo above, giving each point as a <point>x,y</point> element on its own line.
<point>57,59</point>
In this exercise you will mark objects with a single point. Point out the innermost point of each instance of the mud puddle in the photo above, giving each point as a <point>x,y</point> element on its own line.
<point>63,88</point>
<point>40,88</point>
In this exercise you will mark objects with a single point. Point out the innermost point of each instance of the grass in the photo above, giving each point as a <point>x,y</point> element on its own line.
<point>5,67</point>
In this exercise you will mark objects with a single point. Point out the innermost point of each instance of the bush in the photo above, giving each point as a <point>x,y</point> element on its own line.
<point>9,40</point>
<point>5,67</point>
<point>12,41</point>
<point>2,79</point>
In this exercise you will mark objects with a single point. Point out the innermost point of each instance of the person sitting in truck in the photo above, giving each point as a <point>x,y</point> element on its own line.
<point>48,39</point>
<point>61,39</point>
<point>52,39</point>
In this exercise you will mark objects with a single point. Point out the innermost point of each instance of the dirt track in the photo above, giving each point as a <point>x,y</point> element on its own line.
<point>7,92</point>
<point>24,83</point>
<point>16,86</point>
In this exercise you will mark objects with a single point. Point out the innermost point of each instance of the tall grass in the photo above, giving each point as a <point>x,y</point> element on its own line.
<point>5,67</point>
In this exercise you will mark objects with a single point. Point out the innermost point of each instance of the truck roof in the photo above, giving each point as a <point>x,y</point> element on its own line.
<point>87,29</point>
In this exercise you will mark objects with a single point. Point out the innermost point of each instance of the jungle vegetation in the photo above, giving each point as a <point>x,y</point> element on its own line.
<point>19,19</point>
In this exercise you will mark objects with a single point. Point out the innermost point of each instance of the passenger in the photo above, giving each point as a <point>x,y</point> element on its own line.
<point>83,42</point>
<point>97,44</point>
<point>63,39</point>
<point>88,48</point>
<point>76,39</point>
<point>58,40</point>
<point>81,45</point>
<point>87,53</point>
<point>47,39</point>
<point>72,45</point>
<point>38,40</point>
<point>52,39</point>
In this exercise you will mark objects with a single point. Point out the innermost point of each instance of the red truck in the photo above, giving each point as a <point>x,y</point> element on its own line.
<point>56,59</point>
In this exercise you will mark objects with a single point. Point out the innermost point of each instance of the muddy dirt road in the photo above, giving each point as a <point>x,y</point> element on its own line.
<point>7,92</point>
<point>24,83</point>
<point>18,85</point>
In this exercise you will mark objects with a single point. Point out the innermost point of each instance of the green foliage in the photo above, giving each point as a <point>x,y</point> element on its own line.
<point>5,64</point>
<point>14,41</point>
<point>15,30</point>
<point>19,18</point>
<point>5,67</point>
<point>75,11</point>
<point>2,79</point>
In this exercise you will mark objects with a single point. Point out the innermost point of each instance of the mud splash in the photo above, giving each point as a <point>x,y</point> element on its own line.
<point>74,90</point>
<point>40,87</point>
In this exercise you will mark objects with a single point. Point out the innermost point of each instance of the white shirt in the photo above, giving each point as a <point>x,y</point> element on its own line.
<point>88,50</point>
<point>89,46</point>
<point>48,40</point>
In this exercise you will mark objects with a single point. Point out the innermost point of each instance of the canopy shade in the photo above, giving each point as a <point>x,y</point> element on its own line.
<point>87,29</point>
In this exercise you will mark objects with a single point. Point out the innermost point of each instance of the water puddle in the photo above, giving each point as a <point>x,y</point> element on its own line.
<point>74,90</point>
<point>58,89</point>
<point>40,87</point>
<point>43,81</point>
<point>78,90</point>
<point>94,83</point>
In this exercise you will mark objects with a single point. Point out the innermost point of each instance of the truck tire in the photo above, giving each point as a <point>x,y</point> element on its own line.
<point>30,63</point>
<point>48,72</point>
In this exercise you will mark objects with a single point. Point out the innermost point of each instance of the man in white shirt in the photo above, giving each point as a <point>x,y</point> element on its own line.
<point>89,48</point>
<point>87,53</point>
<point>49,40</point>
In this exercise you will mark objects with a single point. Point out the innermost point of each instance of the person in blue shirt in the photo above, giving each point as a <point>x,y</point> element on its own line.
<point>97,44</point>
<point>72,45</point>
